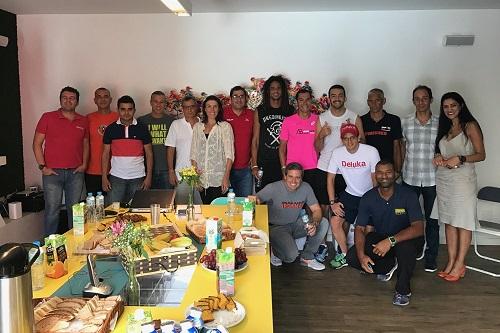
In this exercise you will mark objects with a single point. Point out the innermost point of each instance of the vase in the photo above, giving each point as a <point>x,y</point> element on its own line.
<point>190,204</point>
<point>133,288</point>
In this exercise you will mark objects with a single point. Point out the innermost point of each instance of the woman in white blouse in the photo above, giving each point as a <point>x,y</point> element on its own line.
<point>212,150</point>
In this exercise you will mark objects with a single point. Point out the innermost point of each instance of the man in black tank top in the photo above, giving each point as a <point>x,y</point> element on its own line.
<point>268,119</point>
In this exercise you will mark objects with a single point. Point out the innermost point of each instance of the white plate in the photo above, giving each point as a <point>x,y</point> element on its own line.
<point>224,317</point>
<point>241,268</point>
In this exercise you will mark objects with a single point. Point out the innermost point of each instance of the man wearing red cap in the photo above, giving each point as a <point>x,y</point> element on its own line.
<point>356,162</point>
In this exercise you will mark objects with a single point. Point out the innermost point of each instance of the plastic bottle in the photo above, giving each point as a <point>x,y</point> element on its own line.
<point>37,269</point>
<point>90,208</point>
<point>99,206</point>
<point>305,219</point>
<point>258,181</point>
<point>231,203</point>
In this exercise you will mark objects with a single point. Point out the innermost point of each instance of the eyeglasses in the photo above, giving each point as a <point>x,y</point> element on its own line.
<point>238,96</point>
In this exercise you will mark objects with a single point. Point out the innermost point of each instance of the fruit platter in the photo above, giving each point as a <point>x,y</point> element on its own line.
<point>209,263</point>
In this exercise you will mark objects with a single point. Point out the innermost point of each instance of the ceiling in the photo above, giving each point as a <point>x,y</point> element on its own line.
<point>23,7</point>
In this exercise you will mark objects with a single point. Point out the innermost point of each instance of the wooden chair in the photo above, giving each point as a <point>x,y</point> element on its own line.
<point>488,222</point>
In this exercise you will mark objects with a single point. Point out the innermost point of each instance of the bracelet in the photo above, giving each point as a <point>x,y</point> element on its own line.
<point>255,166</point>
<point>283,167</point>
<point>333,201</point>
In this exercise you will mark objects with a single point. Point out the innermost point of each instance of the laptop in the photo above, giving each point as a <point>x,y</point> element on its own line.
<point>142,200</point>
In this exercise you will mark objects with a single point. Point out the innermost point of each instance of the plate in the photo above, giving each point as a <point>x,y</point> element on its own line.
<point>224,317</point>
<point>239,269</point>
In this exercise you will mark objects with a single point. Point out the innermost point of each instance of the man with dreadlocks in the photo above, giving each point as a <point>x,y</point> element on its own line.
<point>268,119</point>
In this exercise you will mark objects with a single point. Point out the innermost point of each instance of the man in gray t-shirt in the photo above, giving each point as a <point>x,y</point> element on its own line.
<point>285,200</point>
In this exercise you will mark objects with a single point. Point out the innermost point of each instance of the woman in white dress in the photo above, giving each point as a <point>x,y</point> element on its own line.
<point>459,144</point>
<point>212,150</point>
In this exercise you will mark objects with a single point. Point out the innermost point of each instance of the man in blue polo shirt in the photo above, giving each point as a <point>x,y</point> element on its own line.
<point>127,144</point>
<point>389,232</point>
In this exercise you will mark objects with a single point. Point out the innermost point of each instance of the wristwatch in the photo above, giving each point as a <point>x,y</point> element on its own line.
<point>392,240</point>
<point>462,159</point>
<point>41,166</point>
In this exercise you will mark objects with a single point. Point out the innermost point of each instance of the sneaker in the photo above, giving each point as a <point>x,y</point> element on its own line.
<point>386,277</point>
<point>339,261</point>
<point>400,299</point>
<point>430,267</point>
<point>312,263</point>
<point>275,261</point>
<point>322,253</point>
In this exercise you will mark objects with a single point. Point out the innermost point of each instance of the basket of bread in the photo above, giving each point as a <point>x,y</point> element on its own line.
<point>64,315</point>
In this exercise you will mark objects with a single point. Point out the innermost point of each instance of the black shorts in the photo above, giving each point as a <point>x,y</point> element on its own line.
<point>351,204</point>
<point>319,186</point>
<point>314,178</point>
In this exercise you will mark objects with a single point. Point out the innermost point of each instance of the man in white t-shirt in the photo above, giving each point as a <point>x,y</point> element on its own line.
<point>327,138</point>
<point>178,144</point>
<point>356,162</point>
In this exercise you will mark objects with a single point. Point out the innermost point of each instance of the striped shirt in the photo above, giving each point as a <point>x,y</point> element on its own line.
<point>420,140</point>
<point>127,148</point>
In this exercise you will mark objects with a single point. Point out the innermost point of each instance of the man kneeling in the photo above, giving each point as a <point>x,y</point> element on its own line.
<point>285,199</point>
<point>389,232</point>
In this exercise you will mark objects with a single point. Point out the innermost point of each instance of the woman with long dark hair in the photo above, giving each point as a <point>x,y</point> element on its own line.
<point>212,150</point>
<point>459,144</point>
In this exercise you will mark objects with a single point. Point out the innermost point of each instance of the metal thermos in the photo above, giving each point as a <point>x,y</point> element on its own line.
<point>16,305</point>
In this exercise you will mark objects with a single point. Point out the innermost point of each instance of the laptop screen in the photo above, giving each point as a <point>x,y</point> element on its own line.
<point>144,199</point>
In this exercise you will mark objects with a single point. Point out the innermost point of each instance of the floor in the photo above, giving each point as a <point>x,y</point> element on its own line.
<point>347,301</point>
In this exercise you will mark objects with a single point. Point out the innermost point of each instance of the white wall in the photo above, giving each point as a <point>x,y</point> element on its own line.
<point>136,54</point>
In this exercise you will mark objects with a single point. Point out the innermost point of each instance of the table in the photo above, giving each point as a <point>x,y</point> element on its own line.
<point>253,285</point>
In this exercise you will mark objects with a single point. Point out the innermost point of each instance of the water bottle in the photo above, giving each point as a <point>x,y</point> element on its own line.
<point>258,181</point>
<point>37,269</point>
<point>305,219</point>
<point>90,208</point>
<point>231,203</point>
<point>99,206</point>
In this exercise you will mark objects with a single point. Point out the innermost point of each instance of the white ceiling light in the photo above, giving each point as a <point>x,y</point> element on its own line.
<point>179,7</point>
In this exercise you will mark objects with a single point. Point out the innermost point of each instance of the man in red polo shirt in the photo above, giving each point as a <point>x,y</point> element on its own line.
<point>241,120</point>
<point>64,157</point>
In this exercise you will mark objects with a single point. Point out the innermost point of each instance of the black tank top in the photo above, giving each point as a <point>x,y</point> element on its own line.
<point>270,121</point>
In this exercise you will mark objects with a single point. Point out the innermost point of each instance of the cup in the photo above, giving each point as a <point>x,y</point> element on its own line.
<point>155,214</point>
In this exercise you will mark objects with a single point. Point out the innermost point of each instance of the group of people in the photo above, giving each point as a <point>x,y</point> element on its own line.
<point>341,167</point>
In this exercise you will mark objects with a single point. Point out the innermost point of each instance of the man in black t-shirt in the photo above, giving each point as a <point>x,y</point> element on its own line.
<point>268,119</point>
<point>382,129</point>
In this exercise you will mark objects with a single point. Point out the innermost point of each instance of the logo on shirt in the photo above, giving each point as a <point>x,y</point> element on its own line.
<point>292,204</point>
<point>274,132</point>
<point>80,128</point>
<point>100,129</point>
<point>354,164</point>
<point>304,131</point>
<point>399,211</point>
<point>386,128</point>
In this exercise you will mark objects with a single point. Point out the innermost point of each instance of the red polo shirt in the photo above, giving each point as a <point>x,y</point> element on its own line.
<point>242,129</point>
<point>63,139</point>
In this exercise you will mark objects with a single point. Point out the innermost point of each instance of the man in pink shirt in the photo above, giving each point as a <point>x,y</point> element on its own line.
<point>297,140</point>
<point>61,147</point>
<point>241,120</point>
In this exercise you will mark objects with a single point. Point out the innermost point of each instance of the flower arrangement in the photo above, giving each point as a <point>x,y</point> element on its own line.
<point>254,91</point>
<point>130,240</point>
<point>190,176</point>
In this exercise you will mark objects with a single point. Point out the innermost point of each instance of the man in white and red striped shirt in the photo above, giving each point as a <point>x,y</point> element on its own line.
<point>126,143</point>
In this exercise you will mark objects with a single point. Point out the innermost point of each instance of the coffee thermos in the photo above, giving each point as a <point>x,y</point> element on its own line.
<point>16,305</point>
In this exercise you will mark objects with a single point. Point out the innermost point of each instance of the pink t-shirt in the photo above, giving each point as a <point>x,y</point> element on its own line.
<point>299,134</point>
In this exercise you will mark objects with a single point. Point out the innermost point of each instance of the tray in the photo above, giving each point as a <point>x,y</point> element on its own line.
<point>108,324</point>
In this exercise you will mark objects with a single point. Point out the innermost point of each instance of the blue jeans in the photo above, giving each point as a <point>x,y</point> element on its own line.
<point>123,190</point>
<point>431,226</point>
<point>241,181</point>
<point>53,186</point>
<point>159,180</point>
